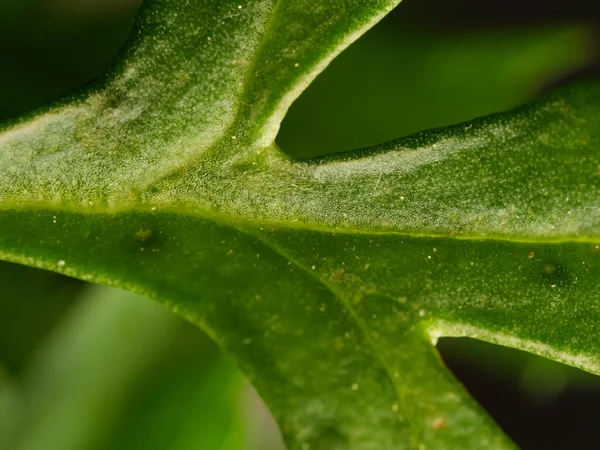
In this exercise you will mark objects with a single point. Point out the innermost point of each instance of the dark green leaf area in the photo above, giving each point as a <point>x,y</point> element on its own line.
<point>269,318</point>
<point>327,279</point>
<point>334,325</point>
<point>522,294</point>
<point>343,338</point>
<point>362,365</point>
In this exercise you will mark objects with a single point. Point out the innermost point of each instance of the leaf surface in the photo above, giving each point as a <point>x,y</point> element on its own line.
<point>328,279</point>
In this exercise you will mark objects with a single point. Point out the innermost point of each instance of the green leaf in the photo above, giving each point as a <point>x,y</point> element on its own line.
<point>328,279</point>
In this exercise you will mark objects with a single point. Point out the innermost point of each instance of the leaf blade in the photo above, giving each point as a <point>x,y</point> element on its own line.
<point>175,206</point>
<point>310,389</point>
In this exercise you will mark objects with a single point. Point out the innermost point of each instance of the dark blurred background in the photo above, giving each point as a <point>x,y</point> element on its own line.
<point>90,368</point>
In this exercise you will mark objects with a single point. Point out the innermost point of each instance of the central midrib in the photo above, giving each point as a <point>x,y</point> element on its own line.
<point>228,219</point>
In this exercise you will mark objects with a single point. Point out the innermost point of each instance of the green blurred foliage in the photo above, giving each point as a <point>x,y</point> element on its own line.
<point>32,301</point>
<point>10,7</point>
<point>93,368</point>
<point>121,372</point>
<point>51,46</point>
<point>394,82</point>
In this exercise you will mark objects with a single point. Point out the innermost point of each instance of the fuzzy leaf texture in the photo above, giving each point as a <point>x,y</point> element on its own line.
<point>329,279</point>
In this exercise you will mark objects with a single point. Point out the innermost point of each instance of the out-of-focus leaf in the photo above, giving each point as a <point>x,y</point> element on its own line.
<point>31,303</point>
<point>120,372</point>
<point>10,408</point>
<point>50,47</point>
<point>9,7</point>
<point>393,83</point>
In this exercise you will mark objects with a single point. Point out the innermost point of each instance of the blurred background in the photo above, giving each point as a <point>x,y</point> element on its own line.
<point>90,368</point>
